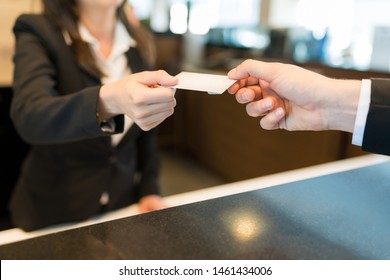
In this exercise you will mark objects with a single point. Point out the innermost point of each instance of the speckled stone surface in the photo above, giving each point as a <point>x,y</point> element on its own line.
<point>340,216</point>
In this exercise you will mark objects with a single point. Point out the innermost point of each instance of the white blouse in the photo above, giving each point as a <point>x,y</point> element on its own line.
<point>115,67</point>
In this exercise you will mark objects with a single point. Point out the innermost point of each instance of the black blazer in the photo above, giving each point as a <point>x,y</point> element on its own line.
<point>377,132</point>
<point>71,161</point>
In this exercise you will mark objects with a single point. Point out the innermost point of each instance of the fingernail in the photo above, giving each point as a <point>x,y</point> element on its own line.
<point>245,96</point>
<point>279,112</point>
<point>231,72</point>
<point>268,104</point>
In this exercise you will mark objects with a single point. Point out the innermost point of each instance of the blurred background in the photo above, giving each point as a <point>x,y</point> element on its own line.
<point>210,140</point>
<point>340,33</point>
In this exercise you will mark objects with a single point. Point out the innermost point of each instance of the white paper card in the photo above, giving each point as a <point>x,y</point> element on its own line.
<point>211,83</point>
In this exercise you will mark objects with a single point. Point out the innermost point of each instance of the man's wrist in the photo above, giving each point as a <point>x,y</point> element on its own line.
<point>342,115</point>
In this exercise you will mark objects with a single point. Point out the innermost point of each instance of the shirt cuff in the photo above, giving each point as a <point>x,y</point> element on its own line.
<point>362,111</point>
<point>108,126</point>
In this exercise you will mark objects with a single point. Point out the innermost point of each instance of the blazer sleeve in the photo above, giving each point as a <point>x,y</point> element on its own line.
<point>51,103</point>
<point>377,131</point>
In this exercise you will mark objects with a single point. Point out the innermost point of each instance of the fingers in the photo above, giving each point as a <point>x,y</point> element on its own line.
<point>258,69</point>
<point>253,87</point>
<point>148,98</point>
<point>274,119</point>
<point>249,94</point>
<point>261,107</point>
<point>157,87</point>
<point>250,81</point>
<point>147,116</point>
<point>154,95</point>
<point>140,112</point>
<point>151,121</point>
<point>159,77</point>
<point>151,203</point>
<point>272,115</point>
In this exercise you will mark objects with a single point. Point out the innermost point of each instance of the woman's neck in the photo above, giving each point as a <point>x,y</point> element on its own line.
<point>101,24</point>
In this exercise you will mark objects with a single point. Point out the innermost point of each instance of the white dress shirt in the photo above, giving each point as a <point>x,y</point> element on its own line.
<point>362,111</point>
<point>115,67</point>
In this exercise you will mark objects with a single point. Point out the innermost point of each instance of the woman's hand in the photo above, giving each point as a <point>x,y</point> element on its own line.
<point>151,203</point>
<point>145,97</point>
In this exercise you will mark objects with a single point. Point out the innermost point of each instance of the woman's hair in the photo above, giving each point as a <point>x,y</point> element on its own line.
<point>64,13</point>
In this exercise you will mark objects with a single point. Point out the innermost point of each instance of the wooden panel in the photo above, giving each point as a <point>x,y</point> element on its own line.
<point>219,133</point>
<point>9,11</point>
<point>168,51</point>
<point>340,73</point>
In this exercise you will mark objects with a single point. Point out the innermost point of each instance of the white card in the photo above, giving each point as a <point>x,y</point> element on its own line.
<point>211,83</point>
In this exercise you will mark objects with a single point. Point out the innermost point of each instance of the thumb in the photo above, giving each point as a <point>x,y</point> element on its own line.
<point>253,68</point>
<point>159,77</point>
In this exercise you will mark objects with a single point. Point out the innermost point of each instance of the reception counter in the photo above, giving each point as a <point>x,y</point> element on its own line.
<point>338,210</point>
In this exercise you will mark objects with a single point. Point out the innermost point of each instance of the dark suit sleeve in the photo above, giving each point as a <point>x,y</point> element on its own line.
<point>51,103</point>
<point>377,132</point>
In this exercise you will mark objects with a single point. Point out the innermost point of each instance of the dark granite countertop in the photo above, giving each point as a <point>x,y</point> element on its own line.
<point>344,215</point>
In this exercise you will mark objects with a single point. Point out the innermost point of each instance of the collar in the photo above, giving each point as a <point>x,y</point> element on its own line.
<point>122,39</point>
